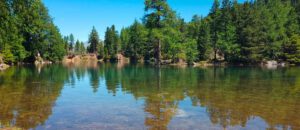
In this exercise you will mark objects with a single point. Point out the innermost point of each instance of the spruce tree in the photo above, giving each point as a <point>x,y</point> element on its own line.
<point>291,50</point>
<point>71,43</point>
<point>82,48</point>
<point>136,42</point>
<point>215,26</point>
<point>156,12</point>
<point>203,40</point>
<point>111,43</point>
<point>93,41</point>
<point>77,47</point>
<point>227,32</point>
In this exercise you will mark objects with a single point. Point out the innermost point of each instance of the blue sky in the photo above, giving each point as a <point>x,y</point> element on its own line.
<point>79,16</point>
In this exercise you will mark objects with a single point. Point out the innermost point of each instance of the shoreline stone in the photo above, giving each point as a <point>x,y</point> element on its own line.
<point>3,67</point>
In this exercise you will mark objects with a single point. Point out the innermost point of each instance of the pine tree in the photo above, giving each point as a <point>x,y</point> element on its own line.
<point>82,48</point>
<point>137,40</point>
<point>9,34</point>
<point>249,36</point>
<point>227,32</point>
<point>291,50</point>
<point>71,43</point>
<point>56,45</point>
<point>194,26</point>
<point>124,39</point>
<point>111,43</point>
<point>94,41</point>
<point>101,52</point>
<point>27,29</point>
<point>203,40</point>
<point>215,26</point>
<point>191,51</point>
<point>156,12</point>
<point>77,47</point>
<point>274,15</point>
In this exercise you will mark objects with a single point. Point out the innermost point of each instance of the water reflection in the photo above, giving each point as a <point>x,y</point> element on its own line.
<point>99,97</point>
<point>27,95</point>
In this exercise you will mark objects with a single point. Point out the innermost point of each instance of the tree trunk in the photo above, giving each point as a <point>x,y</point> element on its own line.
<point>158,53</point>
<point>215,55</point>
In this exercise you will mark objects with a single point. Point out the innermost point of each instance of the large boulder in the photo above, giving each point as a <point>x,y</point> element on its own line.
<point>39,60</point>
<point>270,64</point>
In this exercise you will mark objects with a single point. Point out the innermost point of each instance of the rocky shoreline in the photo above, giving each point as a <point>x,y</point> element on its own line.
<point>92,58</point>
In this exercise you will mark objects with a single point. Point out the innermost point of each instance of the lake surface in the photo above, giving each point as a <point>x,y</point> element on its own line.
<point>137,97</point>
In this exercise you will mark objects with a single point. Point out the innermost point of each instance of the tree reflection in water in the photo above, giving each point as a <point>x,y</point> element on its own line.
<point>27,95</point>
<point>231,96</point>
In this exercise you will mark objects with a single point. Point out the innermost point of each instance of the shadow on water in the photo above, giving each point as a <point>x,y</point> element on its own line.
<point>232,98</point>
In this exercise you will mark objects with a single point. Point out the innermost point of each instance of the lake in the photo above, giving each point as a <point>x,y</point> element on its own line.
<point>137,97</point>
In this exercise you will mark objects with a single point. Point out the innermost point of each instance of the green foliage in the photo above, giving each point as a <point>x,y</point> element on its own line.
<point>82,49</point>
<point>158,16</point>
<point>249,36</point>
<point>291,50</point>
<point>26,29</point>
<point>8,56</point>
<point>176,52</point>
<point>19,52</point>
<point>248,32</point>
<point>203,40</point>
<point>111,43</point>
<point>1,58</point>
<point>157,12</point>
<point>191,51</point>
<point>54,49</point>
<point>135,47</point>
<point>124,39</point>
<point>94,41</point>
<point>77,47</point>
<point>193,28</point>
<point>101,52</point>
<point>71,42</point>
<point>9,37</point>
<point>227,32</point>
<point>214,15</point>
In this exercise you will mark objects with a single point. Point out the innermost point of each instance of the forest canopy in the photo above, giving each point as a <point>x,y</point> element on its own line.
<point>26,30</point>
<point>250,32</point>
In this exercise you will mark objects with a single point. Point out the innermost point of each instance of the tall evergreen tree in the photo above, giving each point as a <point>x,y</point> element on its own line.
<point>10,40</point>
<point>203,40</point>
<point>291,50</point>
<point>111,43</point>
<point>94,41</point>
<point>71,43</point>
<point>194,26</point>
<point>124,38</point>
<point>215,26</point>
<point>82,48</point>
<point>227,32</point>
<point>101,52</point>
<point>26,29</point>
<point>77,47</point>
<point>137,41</point>
<point>156,12</point>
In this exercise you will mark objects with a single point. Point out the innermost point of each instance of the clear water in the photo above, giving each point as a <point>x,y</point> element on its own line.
<point>136,97</point>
